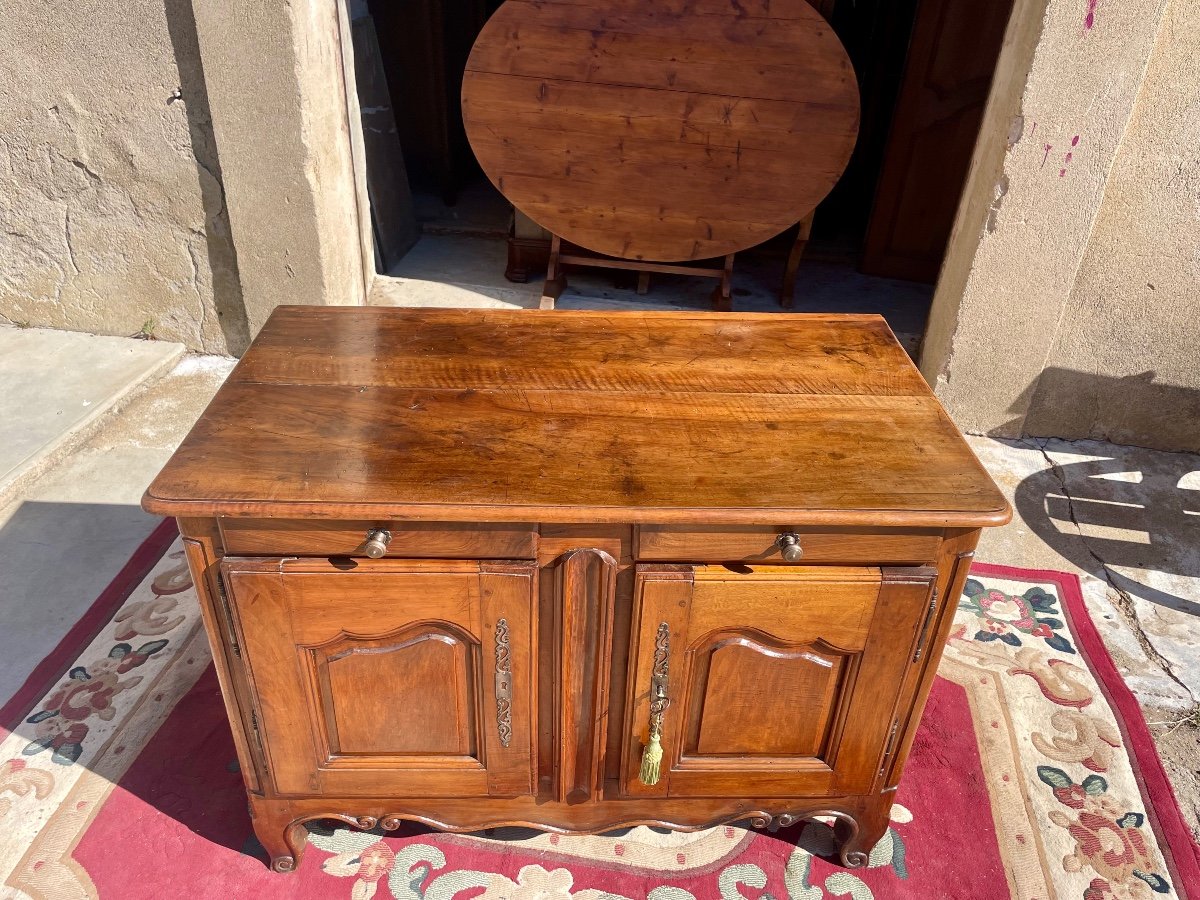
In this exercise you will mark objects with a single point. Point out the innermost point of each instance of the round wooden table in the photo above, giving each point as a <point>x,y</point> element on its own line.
<point>664,130</point>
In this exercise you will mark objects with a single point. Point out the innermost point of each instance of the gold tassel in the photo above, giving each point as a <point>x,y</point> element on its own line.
<point>651,760</point>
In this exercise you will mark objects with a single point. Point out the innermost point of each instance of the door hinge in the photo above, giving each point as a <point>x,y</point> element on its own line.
<point>262,751</point>
<point>891,746</point>
<point>929,614</point>
<point>232,635</point>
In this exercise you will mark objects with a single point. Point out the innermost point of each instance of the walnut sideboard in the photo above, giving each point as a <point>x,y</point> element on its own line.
<point>574,570</point>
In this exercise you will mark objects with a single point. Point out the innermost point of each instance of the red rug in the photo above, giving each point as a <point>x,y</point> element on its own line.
<point>1033,776</point>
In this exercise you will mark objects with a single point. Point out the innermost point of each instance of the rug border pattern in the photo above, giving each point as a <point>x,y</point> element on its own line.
<point>1164,813</point>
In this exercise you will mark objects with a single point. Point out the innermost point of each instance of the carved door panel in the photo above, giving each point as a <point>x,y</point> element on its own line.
<point>778,681</point>
<point>390,678</point>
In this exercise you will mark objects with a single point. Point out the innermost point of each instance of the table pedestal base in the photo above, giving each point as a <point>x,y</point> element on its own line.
<point>556,281</point>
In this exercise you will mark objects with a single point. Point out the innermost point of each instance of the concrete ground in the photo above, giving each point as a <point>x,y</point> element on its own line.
<point>1124,518</point>
<point>72,524</point>
<point>457,269</point>
<point>77,379</point>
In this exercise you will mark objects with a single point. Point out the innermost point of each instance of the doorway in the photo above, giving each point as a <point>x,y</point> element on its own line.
<point>924,69</point>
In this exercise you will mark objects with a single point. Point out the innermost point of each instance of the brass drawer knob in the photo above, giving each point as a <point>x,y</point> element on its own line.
<point>377,542</point>
<point>789,546</point>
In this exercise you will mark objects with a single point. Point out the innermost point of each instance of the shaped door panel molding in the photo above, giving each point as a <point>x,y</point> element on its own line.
<point>433,661</point>
<point>388,677</point>
<point>744,688</point>
<point>779,669</point>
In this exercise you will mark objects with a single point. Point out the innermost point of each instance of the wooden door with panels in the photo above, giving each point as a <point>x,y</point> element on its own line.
<point>778,681</point>
<point>390,677</point>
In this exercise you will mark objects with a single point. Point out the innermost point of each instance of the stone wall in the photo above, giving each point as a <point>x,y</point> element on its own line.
<point>1069,301</point>
<point>112,211</point>
<point>279,87</point>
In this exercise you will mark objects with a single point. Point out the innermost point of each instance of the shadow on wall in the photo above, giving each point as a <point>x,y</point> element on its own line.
<point>1137,512</point>
<point>222,254</point>
<point>1133,410</point>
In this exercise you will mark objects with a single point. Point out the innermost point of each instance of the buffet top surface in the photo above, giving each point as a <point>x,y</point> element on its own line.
<point>566,416</point>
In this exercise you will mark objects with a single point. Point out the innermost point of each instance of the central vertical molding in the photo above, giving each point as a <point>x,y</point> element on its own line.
<point>586,582</point>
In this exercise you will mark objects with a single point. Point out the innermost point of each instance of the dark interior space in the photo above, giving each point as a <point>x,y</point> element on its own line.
<point>424,45</point>
<point>924,69</point>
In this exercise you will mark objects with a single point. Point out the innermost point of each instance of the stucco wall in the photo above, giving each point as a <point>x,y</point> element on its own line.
<point>276,80</point>
<point>1124,364</point>
<point>1069,300</point>
<point>112,213</point>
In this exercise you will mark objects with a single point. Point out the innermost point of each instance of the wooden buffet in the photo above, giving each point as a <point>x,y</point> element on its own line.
<point>465,567</point>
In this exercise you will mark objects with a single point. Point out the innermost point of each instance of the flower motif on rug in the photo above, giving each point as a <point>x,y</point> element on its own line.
<point>1107,838</point>
<point>61,723</point>
<point>533,883</point>
<point>1061,682</point>
<point>1091,741</point>
<point>366,866</point>
<point>1104,846</point>
<point>889,853</point>
<point>146,617</point>
<point>1008,616</point>
<point>118,687</point>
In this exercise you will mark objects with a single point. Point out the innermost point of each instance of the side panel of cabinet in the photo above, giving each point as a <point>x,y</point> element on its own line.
<point>781,681</point>
<point>389,678</point>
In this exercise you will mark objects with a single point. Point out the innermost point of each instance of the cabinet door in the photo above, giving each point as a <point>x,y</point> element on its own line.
<point>781,682</point>
<point>389,678</point>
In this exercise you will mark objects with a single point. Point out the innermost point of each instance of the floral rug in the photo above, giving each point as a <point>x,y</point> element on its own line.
<point>1033,776</point>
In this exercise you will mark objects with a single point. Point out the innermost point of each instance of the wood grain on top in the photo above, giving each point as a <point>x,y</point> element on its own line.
<point>621,351</point>
<point>493,415</point>
<point>667,131</point>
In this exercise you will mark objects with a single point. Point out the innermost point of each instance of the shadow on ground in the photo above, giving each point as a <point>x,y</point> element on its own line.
<point>1137,515</point>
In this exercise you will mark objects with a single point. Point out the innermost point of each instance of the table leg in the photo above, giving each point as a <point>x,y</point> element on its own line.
<point>556,281</point>
<point>722,295</point>
<point>788,290</point>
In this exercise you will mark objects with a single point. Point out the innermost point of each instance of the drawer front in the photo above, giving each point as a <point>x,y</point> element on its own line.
<point>770,682</point>
<point>753,543</point>
<point>409,540</point>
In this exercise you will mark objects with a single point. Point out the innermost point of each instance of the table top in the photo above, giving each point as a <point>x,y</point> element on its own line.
<point>669,130</point>
<point>565,416</point>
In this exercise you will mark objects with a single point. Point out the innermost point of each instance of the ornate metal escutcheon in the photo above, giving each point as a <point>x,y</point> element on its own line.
<point>503,684</point>
<point>651,767</point>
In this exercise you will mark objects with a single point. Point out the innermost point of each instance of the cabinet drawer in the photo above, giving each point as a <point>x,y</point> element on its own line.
<point>753,543</point>
<point>416,540</point>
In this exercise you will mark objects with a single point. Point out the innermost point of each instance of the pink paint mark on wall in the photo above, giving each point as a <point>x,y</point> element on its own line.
<point>1090,19</point>
<point>1046,155</point>
<point>1067,159</point>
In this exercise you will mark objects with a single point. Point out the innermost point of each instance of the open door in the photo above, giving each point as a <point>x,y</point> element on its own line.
<point>951,60</point>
